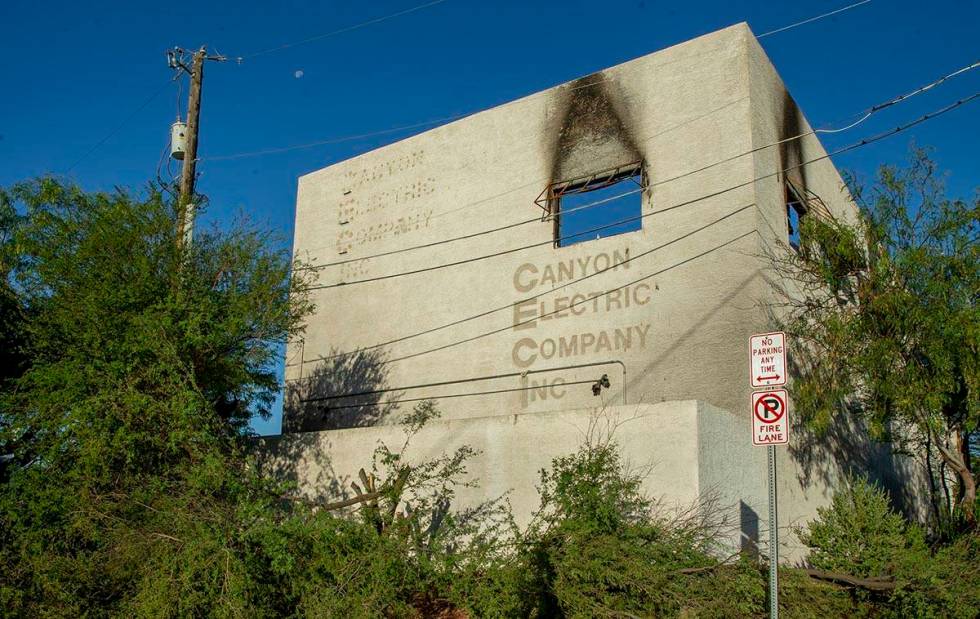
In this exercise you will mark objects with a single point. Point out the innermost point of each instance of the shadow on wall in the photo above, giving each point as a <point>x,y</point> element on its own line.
<point>748,526</point>
<point>846,447</point>
<point>322,399</point>
<point>285,457</point>
<point>666,356</point>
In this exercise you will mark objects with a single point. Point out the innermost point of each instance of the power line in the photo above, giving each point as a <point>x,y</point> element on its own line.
<point>118,127</point>
<point>599,228</point>
<point>540,294</point>
<point>867,114</point>
<point>503,193</point>
<point>813,19</point>
<point>347,138</point>
<point>863,116</point>
<point>358,26</point>
<point>922,89</point>
<point>568,307</point>
<point>512,250</point>
<point>856,145</point>
<point>271,151</point>
<point>361,136</point>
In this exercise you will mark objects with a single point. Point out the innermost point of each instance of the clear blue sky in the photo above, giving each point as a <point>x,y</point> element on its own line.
<point>73,70</point>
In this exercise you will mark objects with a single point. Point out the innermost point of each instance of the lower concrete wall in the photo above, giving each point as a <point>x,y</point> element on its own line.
<point>689,452</point>
<point>512,450</point>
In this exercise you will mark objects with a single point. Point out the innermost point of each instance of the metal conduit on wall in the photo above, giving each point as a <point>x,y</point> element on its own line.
<point>469,380</point>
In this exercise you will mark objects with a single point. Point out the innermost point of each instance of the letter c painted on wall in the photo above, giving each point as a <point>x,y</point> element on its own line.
<point>636,294</point>
<point>524,343</point>
<point>528,287</point>
<point>555,391</point>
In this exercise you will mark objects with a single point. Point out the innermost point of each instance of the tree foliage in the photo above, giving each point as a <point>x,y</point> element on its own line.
<point>146,363</point>
<point>859,533</point>
<point>599,547</point>
<point>884,316</point>
<point>133,490</point>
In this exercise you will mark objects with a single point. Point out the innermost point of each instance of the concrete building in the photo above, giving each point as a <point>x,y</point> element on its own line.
<point>614,226</point>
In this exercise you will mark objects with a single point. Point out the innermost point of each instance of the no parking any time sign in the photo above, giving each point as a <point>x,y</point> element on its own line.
<point>770,418</point>
<point>768,354</point>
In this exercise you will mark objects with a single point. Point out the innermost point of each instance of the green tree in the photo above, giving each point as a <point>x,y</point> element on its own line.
<point>888,325</point>
<point>134,489</point>
<point>146,363</point>
<point>599,547</point>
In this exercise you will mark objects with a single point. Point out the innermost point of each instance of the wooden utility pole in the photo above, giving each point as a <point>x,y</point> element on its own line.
<point>185,216</point>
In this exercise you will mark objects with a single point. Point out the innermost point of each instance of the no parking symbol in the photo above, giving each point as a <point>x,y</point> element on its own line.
<point>770,421</point>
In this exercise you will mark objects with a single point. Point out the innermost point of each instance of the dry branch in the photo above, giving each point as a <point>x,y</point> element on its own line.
<point>871,584</point>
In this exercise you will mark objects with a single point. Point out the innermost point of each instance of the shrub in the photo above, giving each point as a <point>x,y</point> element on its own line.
<point>859,533</point>
<point>944,584</point>
<point>599,547</point>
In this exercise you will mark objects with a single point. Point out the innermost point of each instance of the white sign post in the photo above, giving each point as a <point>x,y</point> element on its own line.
<point>768,355</point>
<point>770,427</point>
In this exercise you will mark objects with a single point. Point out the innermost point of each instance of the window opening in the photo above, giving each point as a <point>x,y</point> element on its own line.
<point>597,206</point>
<point>796,210</point>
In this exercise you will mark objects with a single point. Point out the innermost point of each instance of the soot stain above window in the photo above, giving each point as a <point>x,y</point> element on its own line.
<point>589,136</point>
<point>590,132</point>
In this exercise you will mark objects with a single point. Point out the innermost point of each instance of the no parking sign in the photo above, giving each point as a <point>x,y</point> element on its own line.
<point>770,427</point>
<point>770,417</point>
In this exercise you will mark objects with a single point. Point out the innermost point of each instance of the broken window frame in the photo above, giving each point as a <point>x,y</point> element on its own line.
<point>795,202</point>
<point>549,200</point>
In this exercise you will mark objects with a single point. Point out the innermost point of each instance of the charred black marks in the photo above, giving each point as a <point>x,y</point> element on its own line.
<point>791,151</point>
<point>590,132</point>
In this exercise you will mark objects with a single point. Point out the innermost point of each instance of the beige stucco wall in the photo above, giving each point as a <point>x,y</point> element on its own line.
<point>684,450</point>
<point>702,117</point>
<point>684,332</point>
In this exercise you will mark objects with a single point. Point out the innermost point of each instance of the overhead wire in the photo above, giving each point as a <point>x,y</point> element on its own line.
<point>850,147</point>
<point>177,80</point>
<point>595,80</point>
<point>358,26</point>
<point>827,130</point>
<point>458,381</point>
<point>352,27</point>
<point>928,86</point>
<point>118,127</point>
<point>498,195</point>
<point>867,114</point>
<point>512,250</point>
<point>577,234</point>
<point>540,294</point>
<point>338,140</point>
<point>165,185</point>
<point>812,19</point>
<point>568,307</point>
<point>417,125</point>
<point>390,130</point>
